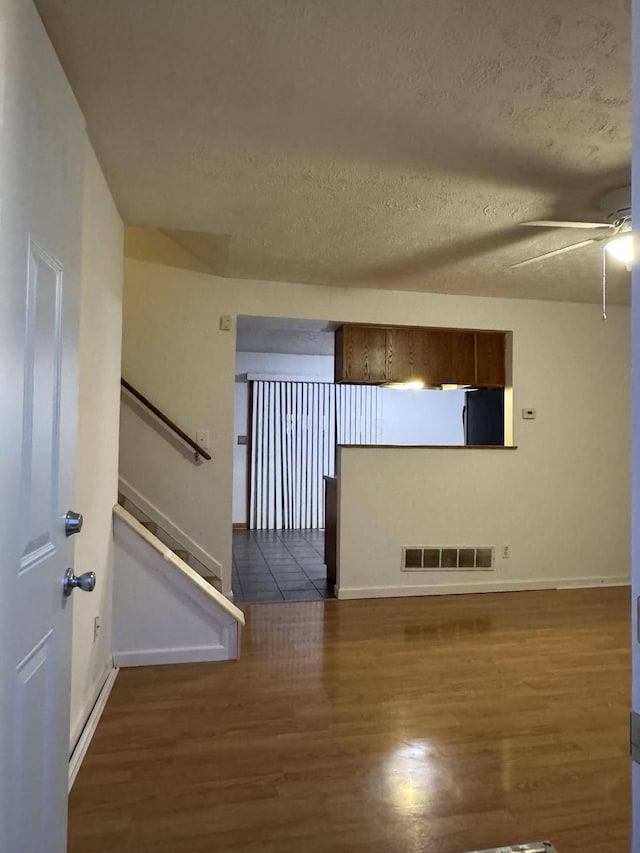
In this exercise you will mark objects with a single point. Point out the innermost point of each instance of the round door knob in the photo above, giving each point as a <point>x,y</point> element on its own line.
<point>86,582</point>
<point>72,523</point>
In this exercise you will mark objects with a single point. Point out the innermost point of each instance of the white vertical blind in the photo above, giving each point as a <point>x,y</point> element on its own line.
<point>295,427</point>
<point>358,414</point>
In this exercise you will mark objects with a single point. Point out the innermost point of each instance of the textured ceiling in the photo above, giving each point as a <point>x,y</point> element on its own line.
<point>394,143</point>
<point>284,335</point>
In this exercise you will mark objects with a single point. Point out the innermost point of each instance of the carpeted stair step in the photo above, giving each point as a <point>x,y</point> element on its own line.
<point>151,526</point>
<point>184,555</point>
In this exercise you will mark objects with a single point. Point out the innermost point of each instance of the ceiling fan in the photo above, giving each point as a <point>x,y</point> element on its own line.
<point>616,210</point>
<point>618,241</point>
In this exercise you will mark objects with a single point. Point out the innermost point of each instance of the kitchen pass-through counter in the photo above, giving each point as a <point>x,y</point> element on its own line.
<point>540,530</point>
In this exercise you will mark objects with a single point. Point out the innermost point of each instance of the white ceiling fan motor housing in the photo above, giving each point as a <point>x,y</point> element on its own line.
<point>616,207</point>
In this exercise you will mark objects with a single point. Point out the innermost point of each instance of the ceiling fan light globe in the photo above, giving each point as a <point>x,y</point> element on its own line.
<point>622,249</point>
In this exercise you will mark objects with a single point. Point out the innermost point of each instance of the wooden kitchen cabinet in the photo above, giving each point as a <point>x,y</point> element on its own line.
<point>361,354</point>
<point>490,359</point>
<point>406,353</point>
<point>375,355</point>
<point>450,357</point>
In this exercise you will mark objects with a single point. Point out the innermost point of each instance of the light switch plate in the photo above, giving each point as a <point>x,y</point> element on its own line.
<point>242,439</point>
<point>528,414</point>
<point>225,322</point>
<point>202,438</point>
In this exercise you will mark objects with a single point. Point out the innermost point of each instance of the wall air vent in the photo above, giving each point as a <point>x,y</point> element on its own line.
<point>447,558</point>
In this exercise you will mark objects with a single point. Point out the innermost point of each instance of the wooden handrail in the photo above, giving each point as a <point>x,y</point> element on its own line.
<point>165,420</point>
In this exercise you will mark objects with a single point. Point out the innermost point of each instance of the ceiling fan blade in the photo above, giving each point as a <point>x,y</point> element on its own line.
<point>555,252</point>
<point>552,223</point>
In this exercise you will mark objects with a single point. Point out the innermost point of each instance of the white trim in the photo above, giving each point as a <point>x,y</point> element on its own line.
<point>490,586</point>
<point>587,583</point>
<point>289,377</point>
<point>81,719</point>
<point>186,571</point>
<point>190,545</point>
<point>188,654</point>
<point>80,749</point>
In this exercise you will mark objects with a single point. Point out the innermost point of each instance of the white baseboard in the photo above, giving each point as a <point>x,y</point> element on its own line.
<point>194,654</point>
<point>80,721</point>
<point>588,583</point>
<point>152,511</point>
<point>345,593</point>
<point>81,747</point>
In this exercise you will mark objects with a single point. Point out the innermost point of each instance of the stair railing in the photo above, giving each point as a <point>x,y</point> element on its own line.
<point>198,451</point>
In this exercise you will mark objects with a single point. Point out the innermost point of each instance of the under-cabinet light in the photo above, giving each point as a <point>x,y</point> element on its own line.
<point>411,385</point>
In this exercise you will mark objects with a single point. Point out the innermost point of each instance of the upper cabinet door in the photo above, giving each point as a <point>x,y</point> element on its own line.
<point>406,353</point>
<point>450,357</point>
<point>490,360</point>
<point>361,354</point>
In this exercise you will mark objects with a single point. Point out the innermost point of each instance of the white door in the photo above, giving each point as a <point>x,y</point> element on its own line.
<point>635,549</point>
<point>635,429</point>
<point>41,165</point>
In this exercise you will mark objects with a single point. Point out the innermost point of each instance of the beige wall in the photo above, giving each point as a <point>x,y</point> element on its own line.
<point>97,459</point>
<point>567,363</point>
<point>565,523</point>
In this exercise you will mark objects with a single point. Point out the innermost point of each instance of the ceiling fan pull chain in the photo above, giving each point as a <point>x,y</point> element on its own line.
<point>604,284</point>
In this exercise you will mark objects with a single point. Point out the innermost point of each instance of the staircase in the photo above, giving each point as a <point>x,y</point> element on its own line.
<point>164,611</point>
<point>180,549</point>
<point>171,597</point>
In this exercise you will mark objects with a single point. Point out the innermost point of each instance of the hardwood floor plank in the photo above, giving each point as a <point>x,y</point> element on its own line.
<point>438,724</point>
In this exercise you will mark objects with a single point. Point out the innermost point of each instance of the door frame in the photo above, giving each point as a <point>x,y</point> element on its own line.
<point>635,421</point>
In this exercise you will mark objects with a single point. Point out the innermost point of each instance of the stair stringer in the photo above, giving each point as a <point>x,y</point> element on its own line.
<point>163,611</point>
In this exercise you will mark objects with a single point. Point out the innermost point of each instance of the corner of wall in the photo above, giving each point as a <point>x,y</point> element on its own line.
<point>99,356</point>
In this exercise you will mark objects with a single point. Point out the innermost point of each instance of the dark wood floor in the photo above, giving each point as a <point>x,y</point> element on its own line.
<point>426,724</point>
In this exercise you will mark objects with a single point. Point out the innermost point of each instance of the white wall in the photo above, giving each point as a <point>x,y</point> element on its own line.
<point>97,450</point>
<point>422,417</point>
<point>566,362</point>
<point>280,366</point>
<point>314,368</point>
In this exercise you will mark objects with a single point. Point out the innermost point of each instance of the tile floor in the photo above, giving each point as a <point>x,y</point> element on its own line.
<point>279,565</point>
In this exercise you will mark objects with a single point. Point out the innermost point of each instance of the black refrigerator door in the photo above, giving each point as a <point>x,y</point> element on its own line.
<point>484,416</point>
